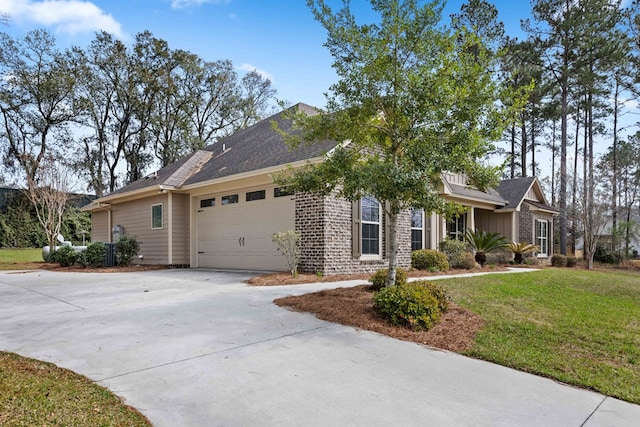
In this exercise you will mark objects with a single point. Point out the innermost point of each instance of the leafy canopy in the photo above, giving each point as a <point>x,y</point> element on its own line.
<point>414,98</point>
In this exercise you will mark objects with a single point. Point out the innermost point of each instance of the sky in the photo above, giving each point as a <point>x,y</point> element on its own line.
<point>278,38</point>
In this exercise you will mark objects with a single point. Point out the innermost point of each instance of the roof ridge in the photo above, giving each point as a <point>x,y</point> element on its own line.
<point>188,168</point>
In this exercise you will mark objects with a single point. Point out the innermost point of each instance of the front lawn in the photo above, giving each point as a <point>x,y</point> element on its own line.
<point>20,258</point>
<point>35,393</point>
<point>577,326</point>
<point>580,327</point>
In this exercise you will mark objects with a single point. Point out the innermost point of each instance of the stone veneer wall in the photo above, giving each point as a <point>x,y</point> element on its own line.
<point>325,226</point>
<point>527,224</point>
<point>309,222</point>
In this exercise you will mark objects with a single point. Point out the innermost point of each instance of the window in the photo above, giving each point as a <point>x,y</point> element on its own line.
<point>227,200</point>
<point>205,203</point>
<point>370,226</point>
<point>156,216</point>
<point>542,236</point>
<point>279,192</point>
<point>417,229</point>
<point>255,195</point>
<point>456,226</point>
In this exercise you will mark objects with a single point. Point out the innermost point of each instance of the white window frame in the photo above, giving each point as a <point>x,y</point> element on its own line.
<point>459,233</point>
<point>421,228</point>
<point>161,216</point>
<point>378,223</point>
<point>544,251</point>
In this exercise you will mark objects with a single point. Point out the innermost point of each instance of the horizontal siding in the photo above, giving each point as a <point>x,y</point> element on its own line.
<point>181,229</point>
<point>100,226</point>
<point>493,222</point>
<point>135,217</point>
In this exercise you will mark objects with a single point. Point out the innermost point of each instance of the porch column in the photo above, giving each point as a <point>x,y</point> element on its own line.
<point>471,218</point>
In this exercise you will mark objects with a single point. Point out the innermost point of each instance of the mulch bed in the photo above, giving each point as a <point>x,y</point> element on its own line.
<point>354,307</point>
<point>285,278</point>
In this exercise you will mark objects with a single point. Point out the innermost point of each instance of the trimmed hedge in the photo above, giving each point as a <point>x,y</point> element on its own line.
<point>126,248</point>
<point>417,305</point>
<point>66,256</point>
<point>559,260</point>
<point>379,279</point>
<point>429,259</point>
<point>95,254</point>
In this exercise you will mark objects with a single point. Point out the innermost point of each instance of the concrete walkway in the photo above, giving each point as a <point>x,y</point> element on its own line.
<point>200,348</point>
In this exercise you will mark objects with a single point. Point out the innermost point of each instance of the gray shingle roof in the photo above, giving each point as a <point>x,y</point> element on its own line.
<point>257,147</point>
<point>514,190</point>
<point>254,148</point>
<point>490,195</point>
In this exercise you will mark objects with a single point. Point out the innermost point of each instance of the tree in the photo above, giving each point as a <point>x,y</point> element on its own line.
<point>49,192</point>
<point>36,100</point>
<point>413,99</point>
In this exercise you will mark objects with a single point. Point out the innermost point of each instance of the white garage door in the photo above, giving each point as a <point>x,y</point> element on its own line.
<point>238,235</point>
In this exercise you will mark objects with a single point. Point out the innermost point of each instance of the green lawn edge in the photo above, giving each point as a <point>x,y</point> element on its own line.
<point>579,327</point>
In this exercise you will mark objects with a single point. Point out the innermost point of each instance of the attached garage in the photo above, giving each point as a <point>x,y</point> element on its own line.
<point>234,231</point>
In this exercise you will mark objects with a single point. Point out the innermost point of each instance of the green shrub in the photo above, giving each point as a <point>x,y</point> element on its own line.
<point>454,250</point>
<point>66,256</point>
<point>81,258</point>
<point>429,259</point>
<point>413,305</point>
<point>379,279</point>
<point>606,257</point>
<point>467,261</point>
<point>437,291</point>
<point>559,260</point>
<point>484,242</point>
<point>95,254</point>
<point>126,248</point>
<point>571,261</point>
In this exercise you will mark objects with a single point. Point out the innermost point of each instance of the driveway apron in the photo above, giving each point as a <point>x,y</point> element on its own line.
<point>198,347</point>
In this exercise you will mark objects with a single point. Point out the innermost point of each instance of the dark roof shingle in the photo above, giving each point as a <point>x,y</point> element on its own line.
<point>257,147</point>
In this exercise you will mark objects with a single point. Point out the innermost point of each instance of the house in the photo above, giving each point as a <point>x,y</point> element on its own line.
<point>605,235</point>
<point>219,207</point>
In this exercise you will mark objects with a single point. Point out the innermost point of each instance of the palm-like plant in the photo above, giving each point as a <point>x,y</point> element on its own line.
<point>483,242</point>
<point>520,249</point>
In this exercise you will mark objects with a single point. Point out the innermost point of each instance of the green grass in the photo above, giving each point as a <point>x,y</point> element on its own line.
<point>20,259</point>
<point>579,327</point>
<point>35,393</point>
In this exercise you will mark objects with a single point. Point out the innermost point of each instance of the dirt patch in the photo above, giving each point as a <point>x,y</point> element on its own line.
<point>285,278</point>
<point>354,307</point>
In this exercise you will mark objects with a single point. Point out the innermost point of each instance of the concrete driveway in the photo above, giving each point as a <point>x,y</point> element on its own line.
<point>201,348</point>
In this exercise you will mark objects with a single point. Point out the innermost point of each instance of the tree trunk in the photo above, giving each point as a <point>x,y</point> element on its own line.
<point>523,147</point>
<point>614,171</point>
<point>563,163</point>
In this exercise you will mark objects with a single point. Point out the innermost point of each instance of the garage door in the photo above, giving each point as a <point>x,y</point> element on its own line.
<point>238,235</point>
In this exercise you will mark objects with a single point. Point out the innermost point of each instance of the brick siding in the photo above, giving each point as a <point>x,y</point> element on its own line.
<point>325,224</point>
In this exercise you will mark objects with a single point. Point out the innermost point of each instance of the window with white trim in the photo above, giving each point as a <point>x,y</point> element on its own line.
<point>417,229</point>
<point>456,226</point>
<point>156,216</point>
<point>542,236</point>
<point>370,226</point>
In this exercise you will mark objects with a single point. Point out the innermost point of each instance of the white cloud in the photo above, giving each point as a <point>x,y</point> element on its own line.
<point>181,4</point>
<point>263,73</point>
<point>66,16</point>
